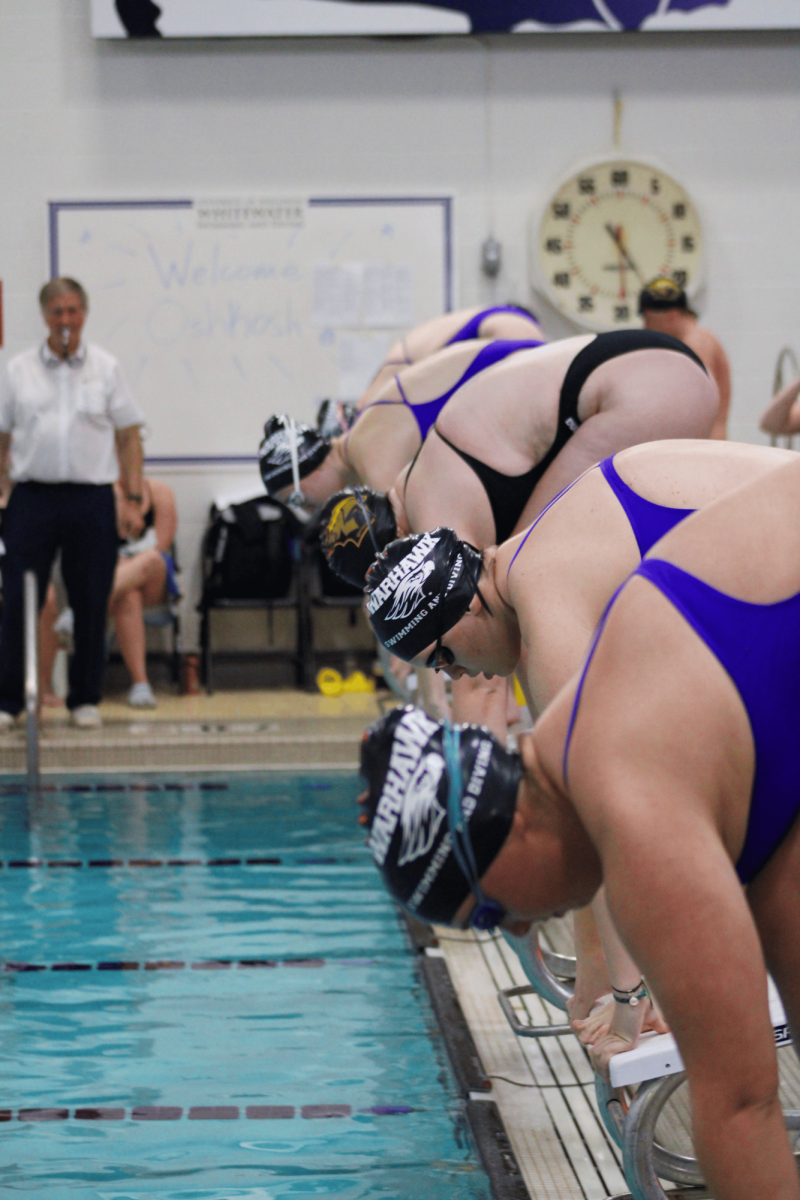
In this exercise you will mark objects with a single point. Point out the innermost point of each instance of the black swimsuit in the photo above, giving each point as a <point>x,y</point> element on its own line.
<point>508,494</point>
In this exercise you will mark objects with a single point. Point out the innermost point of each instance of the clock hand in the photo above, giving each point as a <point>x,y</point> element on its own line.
<point>616,238</point>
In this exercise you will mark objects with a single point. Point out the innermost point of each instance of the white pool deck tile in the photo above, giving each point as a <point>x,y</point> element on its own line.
<point>548,1107</point>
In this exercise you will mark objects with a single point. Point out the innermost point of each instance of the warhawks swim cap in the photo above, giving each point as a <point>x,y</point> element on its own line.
<point>289,452</point>
<point>403,764</point>
<point>420,587</point>
<point>661,294</point>
<point>356,525</point>
<point>334,417</point>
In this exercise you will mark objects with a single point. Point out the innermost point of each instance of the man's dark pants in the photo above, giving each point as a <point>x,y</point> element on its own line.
<point>79,520</point>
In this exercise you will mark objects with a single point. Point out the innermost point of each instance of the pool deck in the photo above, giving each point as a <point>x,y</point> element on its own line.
<point>247,730</point>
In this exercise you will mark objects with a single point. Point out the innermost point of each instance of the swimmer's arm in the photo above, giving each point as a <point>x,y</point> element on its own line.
<point>676,900</point>
<point>783,414</point>
<point>5,462</point>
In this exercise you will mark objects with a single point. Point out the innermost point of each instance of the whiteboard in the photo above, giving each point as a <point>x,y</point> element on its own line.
<point>225,311</point>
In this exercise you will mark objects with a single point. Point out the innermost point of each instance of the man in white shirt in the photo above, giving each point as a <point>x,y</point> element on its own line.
<point>68,428</point>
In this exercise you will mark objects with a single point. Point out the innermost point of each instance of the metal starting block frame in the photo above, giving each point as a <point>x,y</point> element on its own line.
<point>643,1080</point>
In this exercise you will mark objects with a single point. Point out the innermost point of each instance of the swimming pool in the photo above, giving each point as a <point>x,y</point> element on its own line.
<point>206,994</point>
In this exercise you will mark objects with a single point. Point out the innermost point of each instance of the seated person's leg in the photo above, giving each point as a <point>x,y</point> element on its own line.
<point>48,648</point>
<point>138,582</point>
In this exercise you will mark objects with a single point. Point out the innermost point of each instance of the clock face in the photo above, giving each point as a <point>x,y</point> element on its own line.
<point>607,232</point>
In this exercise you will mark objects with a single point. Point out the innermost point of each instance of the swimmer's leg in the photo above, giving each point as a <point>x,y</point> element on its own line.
<point>613,1027</point>
<point>482,701</point>
<point>591,977</point>
<point>432,694</point>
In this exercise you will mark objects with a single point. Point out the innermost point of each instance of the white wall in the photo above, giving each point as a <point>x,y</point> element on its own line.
<point>82,119</point>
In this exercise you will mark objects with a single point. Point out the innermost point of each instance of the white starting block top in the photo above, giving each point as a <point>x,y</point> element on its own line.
<point>657,1053</point>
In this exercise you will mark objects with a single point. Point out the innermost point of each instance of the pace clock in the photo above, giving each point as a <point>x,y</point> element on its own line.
<point>606,232</point>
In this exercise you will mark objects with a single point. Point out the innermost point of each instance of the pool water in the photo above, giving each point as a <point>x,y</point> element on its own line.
<point>179,1019</point>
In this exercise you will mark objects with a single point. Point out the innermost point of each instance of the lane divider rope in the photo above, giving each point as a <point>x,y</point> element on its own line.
<point>204,1112</point>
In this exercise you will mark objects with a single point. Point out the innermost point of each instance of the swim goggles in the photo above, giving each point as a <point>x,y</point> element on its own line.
<point>486,914</point>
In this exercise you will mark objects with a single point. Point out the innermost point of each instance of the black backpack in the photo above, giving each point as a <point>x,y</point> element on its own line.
<point>247,553</point>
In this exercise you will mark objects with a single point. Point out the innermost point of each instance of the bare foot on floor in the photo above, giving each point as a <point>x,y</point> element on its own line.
<point>51,700</point>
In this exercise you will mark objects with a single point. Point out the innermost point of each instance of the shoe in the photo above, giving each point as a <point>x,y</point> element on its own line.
<point>141,696</point>
<point>64,624</point>
<point>86,716</point>
<point>6,721</point>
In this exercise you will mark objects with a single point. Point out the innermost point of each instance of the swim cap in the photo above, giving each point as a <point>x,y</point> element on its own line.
<point>403,764</point>
<point>356,524</point>
<point>334,417</point>
<point>662,293</point>
<point>419,587</point>
<point>288,444</point>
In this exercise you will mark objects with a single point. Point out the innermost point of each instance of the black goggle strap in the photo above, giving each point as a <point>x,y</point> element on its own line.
<point>367,519</point>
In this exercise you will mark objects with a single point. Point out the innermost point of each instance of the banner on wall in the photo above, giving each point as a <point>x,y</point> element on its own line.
<point>276,18</point>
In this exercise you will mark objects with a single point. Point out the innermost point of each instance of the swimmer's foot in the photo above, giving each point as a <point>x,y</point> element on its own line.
<point>591,1028</point>
<point>51,700</point>
<point>622,1031</point>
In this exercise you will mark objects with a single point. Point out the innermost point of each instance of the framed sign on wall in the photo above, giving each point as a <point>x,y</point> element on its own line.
<point>276,18</point>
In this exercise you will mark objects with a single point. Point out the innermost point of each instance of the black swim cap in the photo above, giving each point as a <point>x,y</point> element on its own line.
<point>661,294</point>
<point>282,435</point>
<point>334,417</point>
<point>356,524</point>
<point>420,587</point>
<point>403,764</point>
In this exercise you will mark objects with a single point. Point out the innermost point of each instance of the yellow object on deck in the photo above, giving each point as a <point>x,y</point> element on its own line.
<point>519,695</point>
<point>330,682</point>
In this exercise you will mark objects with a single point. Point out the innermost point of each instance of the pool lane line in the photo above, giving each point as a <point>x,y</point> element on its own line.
<point>258,861</point>
<point>483,1116</point>
<point>204,1112</point>
<point>84,788</point>
<point>170,964</point>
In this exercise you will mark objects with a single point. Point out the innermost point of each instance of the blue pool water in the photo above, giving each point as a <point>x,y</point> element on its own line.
<point>178,1022</point>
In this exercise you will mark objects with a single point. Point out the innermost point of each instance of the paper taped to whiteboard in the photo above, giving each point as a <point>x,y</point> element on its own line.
<point>360,356</point>
<point>363,295</point>
<point>337,296</point>
<point>388,297</point>
<point>259,213</point>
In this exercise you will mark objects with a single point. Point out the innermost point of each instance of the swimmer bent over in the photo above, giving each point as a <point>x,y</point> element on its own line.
<point>666,770</point>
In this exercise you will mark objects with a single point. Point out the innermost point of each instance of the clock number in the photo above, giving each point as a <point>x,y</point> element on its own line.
<point>679,211</point>
<point>561,279</point>
<point>619,178</point>
<point>687,243</point>
<point>680,278</point>
<point>553,245</point>
<point>585,303</point>
<point>622,312</point>
<point>586,185</point>
<point>655,185</point>
<point>560,209</point>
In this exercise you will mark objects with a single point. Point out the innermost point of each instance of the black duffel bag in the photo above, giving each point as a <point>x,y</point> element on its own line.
<point>247,552</point>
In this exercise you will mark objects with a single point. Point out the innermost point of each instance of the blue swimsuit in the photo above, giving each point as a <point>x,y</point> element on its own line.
<point>648,521</point>
<point>759,647</point>
<point>472,328</point>
<point>425,414</point>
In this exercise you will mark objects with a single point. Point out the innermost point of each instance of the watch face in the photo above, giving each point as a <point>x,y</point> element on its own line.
<point>607,232</point>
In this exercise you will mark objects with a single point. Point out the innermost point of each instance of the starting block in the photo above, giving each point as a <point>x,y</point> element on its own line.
<point>655,1069</point>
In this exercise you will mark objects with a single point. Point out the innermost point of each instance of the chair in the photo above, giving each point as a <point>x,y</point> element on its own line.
<point>245,545</point>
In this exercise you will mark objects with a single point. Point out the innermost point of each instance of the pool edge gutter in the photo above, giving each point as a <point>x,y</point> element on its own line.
<point>486,1124</point>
